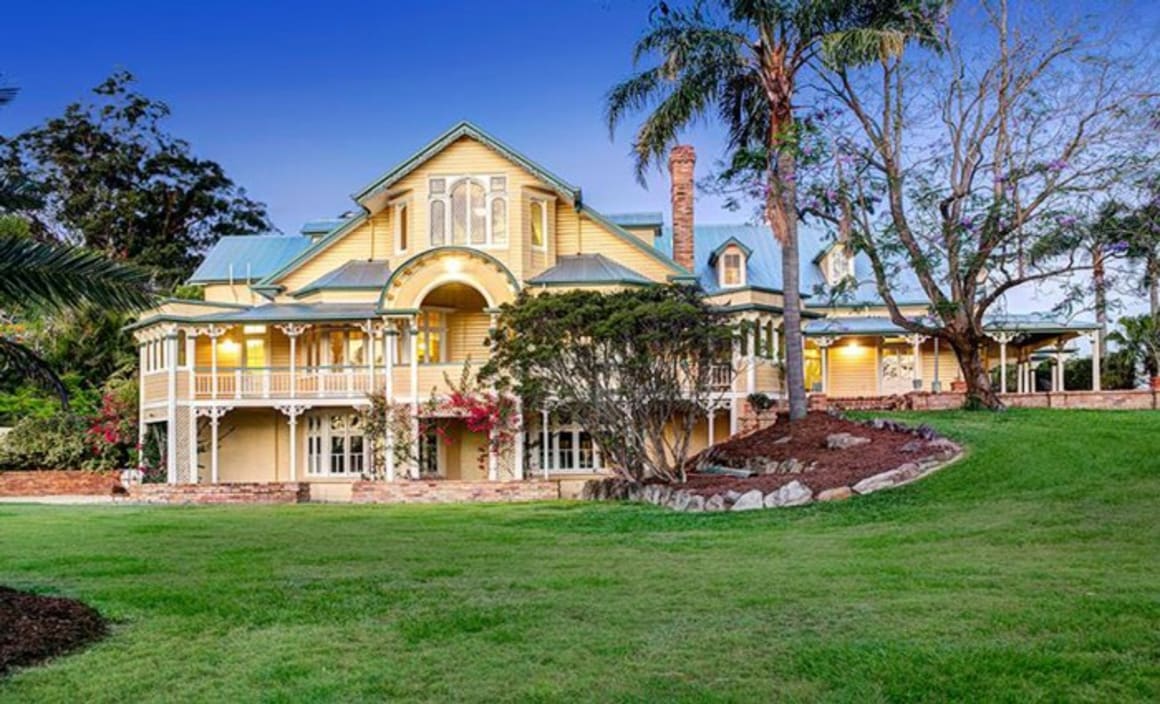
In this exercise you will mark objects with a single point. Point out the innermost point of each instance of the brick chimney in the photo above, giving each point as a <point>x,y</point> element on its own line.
<point>681,160</point>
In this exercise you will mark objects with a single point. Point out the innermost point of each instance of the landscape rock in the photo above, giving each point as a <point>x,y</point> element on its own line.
<point>912,446</point>
<point>793,494</point>
<point>679,500</point>
<point>782,441</point>
<point>732,495</point>
<point>716,502</point>
<point>696,504</point>
<point>840,493</point>
<point>843,441</point>
<point>882,480</point>
<point>749,501</point>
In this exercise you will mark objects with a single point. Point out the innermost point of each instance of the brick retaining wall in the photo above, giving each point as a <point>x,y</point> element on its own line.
<point>247,493</point>
<point>441,491</point>
<point>58,483</point>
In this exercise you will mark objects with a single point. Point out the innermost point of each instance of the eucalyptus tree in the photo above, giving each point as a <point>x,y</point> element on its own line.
<point>968,167</point>
<point>741,63</point>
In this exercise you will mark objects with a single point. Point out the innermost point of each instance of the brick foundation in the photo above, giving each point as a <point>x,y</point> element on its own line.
<point>445,491</point>
<point>58,483</point>
<point>247,493</point>
<point>1139,399</point>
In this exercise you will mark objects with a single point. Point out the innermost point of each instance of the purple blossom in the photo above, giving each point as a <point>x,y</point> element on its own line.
<point>1120,247</point>
<point>1057,165</point>
<point>831,195</point>
<point>1068,220</point>
<point>807,149</point>
<point>967,224</point>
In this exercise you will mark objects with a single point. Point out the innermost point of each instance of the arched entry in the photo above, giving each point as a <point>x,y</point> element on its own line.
<point>452,324</point>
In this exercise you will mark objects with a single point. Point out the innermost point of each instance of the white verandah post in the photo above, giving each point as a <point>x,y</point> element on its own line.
<point>1096,385</point>
<point>389,361</point>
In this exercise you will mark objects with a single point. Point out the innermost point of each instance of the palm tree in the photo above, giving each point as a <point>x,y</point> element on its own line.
<point>43,278</point>
<point>1139,338</point>
<point>741,60</point>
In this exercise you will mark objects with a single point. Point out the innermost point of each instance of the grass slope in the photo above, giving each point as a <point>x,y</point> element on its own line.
<point>1026,572</point>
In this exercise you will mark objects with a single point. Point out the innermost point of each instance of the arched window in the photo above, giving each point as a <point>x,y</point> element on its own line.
<point>478,215</point>
<point>499,221</point>
<point>438,223</point>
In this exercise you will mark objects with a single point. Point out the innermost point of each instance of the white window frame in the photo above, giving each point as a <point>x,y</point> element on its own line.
<point>450,181</point>
<point>318,446</point>
<point>742,278</point>
<point>832,275</point>
<point>545,204</point>
<point>401,208</point>
<point>573,431</point>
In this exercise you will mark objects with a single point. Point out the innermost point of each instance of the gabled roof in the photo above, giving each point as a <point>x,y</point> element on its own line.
<point>354,275</point>
<point>720,249</point>
<point>343,227</point>
<point>650,219</point>
<point>580,269</point>
<point>467,129</point>
<point>247,257</point>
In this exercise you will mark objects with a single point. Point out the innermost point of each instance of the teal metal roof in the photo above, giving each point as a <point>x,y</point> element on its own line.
<point>580,269</point>
<point>295,312</point>
<point>466,129</point>
<point>354,275</point>
<point>247,257</point>
<point>716,253</point>
<point>321,226</point>
<point>647,219</point>
<point>1025,324</point>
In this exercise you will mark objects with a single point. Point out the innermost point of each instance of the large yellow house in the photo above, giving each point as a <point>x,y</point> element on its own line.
<point>264,379</point>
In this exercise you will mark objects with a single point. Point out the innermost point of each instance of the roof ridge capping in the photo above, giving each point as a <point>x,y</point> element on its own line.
<point>465,128</point>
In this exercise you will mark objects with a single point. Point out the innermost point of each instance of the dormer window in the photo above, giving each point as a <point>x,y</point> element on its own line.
<point>732,272</point>
<point>841,265</point>
<point>730,261</point>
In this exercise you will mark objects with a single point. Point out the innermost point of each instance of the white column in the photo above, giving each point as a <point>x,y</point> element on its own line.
<point>292,411</point>
<point>214,334</point>
<point>751,372</point>
<point>415,390</point>
<point>935,384</point>
<point>1096,360</point>
<point>141,427</point>
<point>171,415</point>
<point>1059,380</point>
<point>545,449</point>
<point>292,331</point>
<point>916,375</point>
<point>1003,338</point>
<point>520,440</point>
<point>823,344</point>
<point>1020,377</point>
<point>389,362</point>
<point>492,458</point>
<point>214,413</point>
<point>190,351</point>
<point>712,422</point>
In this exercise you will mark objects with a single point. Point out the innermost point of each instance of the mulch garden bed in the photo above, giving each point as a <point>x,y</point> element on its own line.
<point>823,469</point>
<point>34,628</point>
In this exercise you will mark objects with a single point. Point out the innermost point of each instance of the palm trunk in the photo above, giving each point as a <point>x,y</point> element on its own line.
<point>791,290</point>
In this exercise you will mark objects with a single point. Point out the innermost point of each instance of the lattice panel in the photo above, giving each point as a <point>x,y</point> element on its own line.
<point>183,435</point>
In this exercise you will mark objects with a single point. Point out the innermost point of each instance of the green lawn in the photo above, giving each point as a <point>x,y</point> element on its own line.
<point>1030,571</point>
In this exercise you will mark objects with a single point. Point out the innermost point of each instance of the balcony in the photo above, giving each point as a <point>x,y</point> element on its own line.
<point>348,382</point>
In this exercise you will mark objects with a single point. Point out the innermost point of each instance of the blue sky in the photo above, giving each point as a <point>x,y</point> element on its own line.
<point>305,102</point>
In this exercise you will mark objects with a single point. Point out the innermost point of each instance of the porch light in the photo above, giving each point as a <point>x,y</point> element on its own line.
<point>454,265</point>
<point>228,345</point>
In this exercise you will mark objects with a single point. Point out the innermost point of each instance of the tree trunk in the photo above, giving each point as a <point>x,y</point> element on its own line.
<point>980,392</point>
<point>790,286</point>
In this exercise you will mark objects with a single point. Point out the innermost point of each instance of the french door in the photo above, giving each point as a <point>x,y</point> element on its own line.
<point>335,445</point>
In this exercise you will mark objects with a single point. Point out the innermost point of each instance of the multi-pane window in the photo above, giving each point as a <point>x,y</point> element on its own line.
<point>335,444</point>
<point>431,342</point>
<point>429,453</point>
<point>478,211</point>
<point>570,449</point>
<point>731,274</point>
